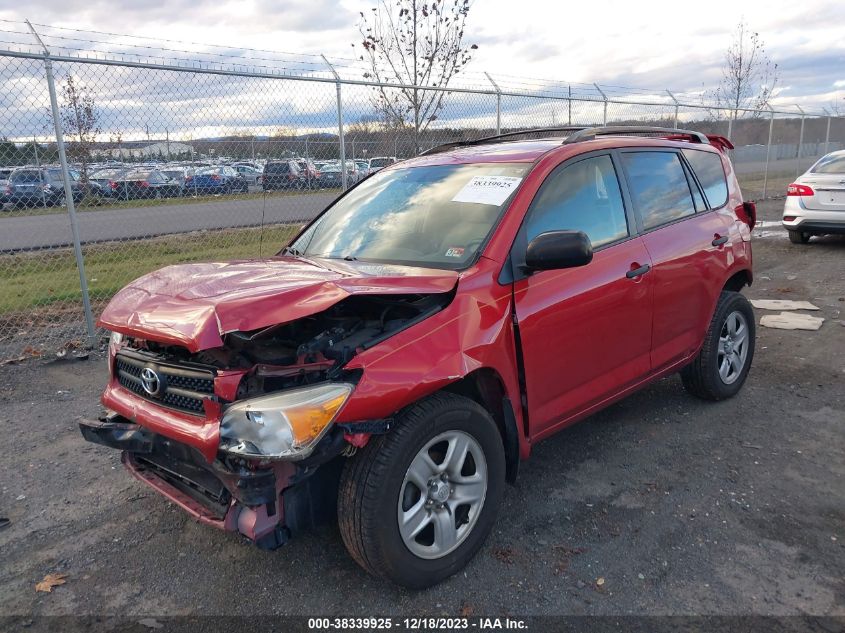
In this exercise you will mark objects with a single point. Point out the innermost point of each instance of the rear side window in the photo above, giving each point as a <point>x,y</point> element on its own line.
<point>276,168</point>
<point>659,186</point>
<point>582,196</point>
<point>708,167</point>
<point>26,176</point>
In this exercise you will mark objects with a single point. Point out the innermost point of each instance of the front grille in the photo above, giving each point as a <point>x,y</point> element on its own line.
<point>179,387</point>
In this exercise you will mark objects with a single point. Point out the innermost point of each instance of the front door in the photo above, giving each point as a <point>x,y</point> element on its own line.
<point>586,331</point>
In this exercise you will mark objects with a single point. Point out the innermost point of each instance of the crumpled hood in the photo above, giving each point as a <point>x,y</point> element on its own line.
<point>194,305</point>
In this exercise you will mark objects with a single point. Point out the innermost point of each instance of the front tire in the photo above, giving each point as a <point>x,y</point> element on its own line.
<point>798,237</point>
<point>416,504</point>
<point>722,365</point>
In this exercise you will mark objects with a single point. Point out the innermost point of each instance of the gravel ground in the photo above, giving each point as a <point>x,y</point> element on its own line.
<point>662,504</point>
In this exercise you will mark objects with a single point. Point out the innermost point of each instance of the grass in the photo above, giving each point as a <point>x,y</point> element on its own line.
<point>752,184</point>
<point>37,286</point>
<point>90,205</point>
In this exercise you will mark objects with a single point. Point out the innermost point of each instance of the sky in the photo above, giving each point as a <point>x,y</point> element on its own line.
<point>654,45</point>
<point>650,46</point>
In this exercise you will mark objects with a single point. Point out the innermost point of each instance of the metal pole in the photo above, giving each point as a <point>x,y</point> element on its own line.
<point>498,103</point>
<point>730,127</point>
<point>38,164</point>
<point>603,96</point>
<point>339,124</point>
<point>827,134</point>
<point>71,208</point>
<point>676,107</point>
<point>800,143</point>
<point>569,101</point>
<point>768,150</point>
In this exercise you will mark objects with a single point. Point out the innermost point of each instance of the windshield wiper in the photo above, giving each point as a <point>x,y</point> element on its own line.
<point>290,250</point>
<point>350,258</point>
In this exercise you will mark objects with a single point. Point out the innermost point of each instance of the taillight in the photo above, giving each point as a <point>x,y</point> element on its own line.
<point>112,184</point>
<point>188,178</point>
<point>796,189</point>
<point>215,178</point>
<point>143,183</point>
<point>317,174</point>
<point>789,218</point>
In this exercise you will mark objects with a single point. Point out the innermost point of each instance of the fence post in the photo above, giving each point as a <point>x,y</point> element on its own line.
<point>339,124</point>
<point>730,126</point>
<point>603,96</point>
<point>800,143</point>
<point>71,207</point>
<point>827,133</point>
<point>768,149</point>
<point>498,103</point>
<point>676,107</point>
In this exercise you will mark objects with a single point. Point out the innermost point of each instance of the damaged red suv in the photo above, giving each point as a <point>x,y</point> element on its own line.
<point>399,358</point>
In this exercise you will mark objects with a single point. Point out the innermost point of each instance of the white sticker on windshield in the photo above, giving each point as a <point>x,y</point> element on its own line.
<point>487,189</point>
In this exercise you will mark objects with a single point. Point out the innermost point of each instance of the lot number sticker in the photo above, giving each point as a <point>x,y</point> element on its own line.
<point>487,189</point>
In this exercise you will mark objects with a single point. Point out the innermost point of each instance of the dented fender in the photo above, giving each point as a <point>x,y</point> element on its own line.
<point>474,331</point>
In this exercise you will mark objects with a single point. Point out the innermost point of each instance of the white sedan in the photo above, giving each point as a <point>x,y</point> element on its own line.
<point>815,202</point>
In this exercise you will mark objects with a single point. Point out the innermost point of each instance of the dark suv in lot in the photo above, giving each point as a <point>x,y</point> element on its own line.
<point>283,174</point>
<point>400,357</point>
<point>41,187</point>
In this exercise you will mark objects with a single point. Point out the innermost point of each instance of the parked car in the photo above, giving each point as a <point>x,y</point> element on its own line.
<point>180,176</point>
<point>363,167</point>
<point>282,174</point>
<point>380,162</point>
<point>144,183</point>
<point>815,202</point>
<point>309,172</point>
<point>402,355</point>
<point>5,172</point>
<point>249,173</point>
<point>331,175</point>
<point>216,179</point>
<point>103,179</point>
<point>32,187</point>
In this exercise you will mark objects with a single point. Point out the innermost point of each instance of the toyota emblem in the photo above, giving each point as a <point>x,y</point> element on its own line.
<point>150,381</point>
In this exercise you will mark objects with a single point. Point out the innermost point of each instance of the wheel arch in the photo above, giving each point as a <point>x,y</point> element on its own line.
<point>487,388</point>
<point>738,280</point>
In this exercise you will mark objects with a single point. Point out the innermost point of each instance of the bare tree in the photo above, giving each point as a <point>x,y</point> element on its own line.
<point>414,43</point>
<point>79,118</point>
<point>749,76</point>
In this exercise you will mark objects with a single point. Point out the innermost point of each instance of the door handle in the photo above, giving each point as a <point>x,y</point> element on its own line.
<point>636,272</point>
<point>719,240</point>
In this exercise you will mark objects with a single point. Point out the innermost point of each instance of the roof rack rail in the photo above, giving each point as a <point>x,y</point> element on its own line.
<point>480,141</point>
<point>588,134</point>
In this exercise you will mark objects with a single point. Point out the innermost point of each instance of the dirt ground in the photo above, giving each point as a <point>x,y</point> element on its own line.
<point>662,504</point>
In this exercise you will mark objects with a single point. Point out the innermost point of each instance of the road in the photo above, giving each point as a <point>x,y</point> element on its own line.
<point>660,505</point>
<point>20,232</point>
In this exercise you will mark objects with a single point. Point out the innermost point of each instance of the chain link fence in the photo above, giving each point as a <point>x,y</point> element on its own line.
<point>174,156</point>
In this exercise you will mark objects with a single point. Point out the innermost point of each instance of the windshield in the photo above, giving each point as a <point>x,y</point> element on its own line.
<point>436,216</point>
<point>831,164</point>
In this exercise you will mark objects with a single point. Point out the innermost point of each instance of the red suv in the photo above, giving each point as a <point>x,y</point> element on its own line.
<point>400,357</point>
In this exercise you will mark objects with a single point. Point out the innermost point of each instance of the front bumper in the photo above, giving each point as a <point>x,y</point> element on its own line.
<point>265,503</point>
<point>231,496</point>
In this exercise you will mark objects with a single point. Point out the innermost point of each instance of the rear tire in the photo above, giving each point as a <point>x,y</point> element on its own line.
<point>378,491</point>
<point>721,367</point>
<point>798,237</point>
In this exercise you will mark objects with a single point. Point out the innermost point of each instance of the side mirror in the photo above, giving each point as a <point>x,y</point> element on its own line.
<point>554,250</point>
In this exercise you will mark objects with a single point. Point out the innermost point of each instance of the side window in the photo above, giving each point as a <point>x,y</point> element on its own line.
<point>659,186</point>
<point>582,196</point>
<point>708,167</point>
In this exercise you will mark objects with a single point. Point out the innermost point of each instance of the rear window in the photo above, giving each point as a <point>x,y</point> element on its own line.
<point>205,171</point>
<point>829,165</point>
<point>137,175</point>
<point>708,167</point>
<point>381,162</point>
<point>28,175</point>
<point>109,174</point>
<point>276,168</point>
<point>659,187</point>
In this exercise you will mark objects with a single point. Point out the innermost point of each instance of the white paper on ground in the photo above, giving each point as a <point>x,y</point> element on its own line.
<point>487,189</point>
<point>782,304</point>
<point>791,321</point>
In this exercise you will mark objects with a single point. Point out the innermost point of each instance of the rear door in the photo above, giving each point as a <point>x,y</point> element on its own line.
<point>688,243</point>
<point>585,332</point>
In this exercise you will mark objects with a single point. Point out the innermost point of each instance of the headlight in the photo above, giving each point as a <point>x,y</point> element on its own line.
<point>284,425</point>
<point>116,338</point>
